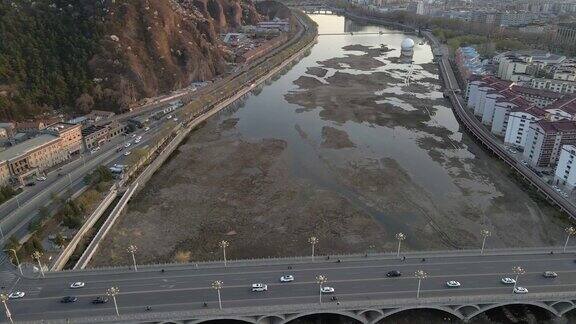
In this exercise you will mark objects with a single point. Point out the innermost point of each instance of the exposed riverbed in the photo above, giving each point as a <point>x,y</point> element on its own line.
<point>351,145</point>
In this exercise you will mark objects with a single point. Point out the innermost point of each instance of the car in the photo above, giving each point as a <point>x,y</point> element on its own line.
<point>119,149</point>
<point>259,287</point>
<point>556,188</point>
<point>508,281</point>
<point>17,295</point>
<point>327,290</point>
<point>137,141</point>
<point>94,150</point>
<point>175,119</point>
<point>393,273</point>
<point>77,284</point>
<point>133,135</point>
<point>139,138</point>
<point>563,194</point>
<point>68,299</point>
<point>127,145</point>
<point>524,162</point>
<point>100,300</point>
<point>169,117</point>
<point>549,274</point>
<point>41,179</point>
<point>453,283</point>
<point>287,278</point>
<point>31,184</point>
<point>146,129</point>
<point>127,153</point>
<point>520,290</point>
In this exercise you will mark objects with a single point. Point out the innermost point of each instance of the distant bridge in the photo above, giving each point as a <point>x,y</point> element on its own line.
<point>362,33</point>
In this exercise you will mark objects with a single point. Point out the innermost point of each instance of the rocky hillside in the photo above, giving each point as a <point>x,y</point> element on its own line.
<point>78,55</point>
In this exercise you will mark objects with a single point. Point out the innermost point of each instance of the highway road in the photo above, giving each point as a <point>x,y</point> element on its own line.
<point>185,287</point>
<point>14,219</point>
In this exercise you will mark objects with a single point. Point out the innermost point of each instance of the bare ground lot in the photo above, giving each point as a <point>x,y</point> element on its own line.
<point>221,185</point>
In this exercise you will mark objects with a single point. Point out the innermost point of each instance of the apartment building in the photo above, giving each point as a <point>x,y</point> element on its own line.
<point>553,85</point>
<point>566,33</point>
<point>519,122</point>
<point>513,67</point>
<point>545,140</point>
<point>565,173</point>
<point>502,109</point>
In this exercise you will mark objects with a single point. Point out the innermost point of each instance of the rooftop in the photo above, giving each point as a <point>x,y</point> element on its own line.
<point>26,146</point>
<point>567,103</point>
<point>560,126</point>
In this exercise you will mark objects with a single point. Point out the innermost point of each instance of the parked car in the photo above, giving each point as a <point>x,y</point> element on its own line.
<point>41,179</point>
<point>17,295</point>
<point>259,287</point>
<point>127,153</point>
<point>393,273</point>
<point>31,184</point>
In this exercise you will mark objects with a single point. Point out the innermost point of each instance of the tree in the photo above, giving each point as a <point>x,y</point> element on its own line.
<point>60,240</point>
<point>85,103</point>
<point>183,256</point>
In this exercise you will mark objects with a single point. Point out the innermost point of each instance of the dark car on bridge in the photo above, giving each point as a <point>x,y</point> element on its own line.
<point>394,273</point>
<point>100,300</point>
<point>68,299</point>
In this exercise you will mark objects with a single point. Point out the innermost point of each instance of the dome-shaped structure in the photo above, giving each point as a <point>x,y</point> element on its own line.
<point>407,47</point>
<point>407,43</point>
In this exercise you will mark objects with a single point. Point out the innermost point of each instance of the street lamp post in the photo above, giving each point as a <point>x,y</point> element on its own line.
<point>217,285</point>
<point>485,233</point>
<point>321,280</point>
<point>132,250</point>
<point>569,231</point>
<point>4,299</point>
<point>518,270</point>
<point>224,245</point>
<point>112,292</point>
<point>17,261</point>
<point>37,255</point>
<point>313,240</point>
<point>400,237</point>
<point>420,274</point>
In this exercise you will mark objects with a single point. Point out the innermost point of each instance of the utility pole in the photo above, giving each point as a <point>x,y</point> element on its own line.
<point>4,298</point>
<point>321,280</point>
<point>485,233</point>
<point>420,274</point>
<point>17,261</point>
<point>569,231</point>
<point>217,285</point>
<point>112,292</point>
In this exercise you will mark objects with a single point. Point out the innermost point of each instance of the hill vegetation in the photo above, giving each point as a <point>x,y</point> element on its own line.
<point>77,55</point>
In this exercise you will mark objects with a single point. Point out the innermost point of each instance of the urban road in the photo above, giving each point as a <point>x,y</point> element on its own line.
<point>354,278</point>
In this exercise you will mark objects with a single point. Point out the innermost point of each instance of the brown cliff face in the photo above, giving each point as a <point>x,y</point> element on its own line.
<point>155,46</point>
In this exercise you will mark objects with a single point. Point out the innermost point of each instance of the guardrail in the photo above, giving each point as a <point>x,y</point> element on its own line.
<point>65,254</point>
<point>91,249</point>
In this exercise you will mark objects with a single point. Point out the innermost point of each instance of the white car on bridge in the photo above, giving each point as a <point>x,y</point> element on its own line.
<point>508,281</point>
<point>259,287</point>
<point>78,284</point>
<point>453,283</point>
<point>520,290</point>
<point>17,295</point>
<point>327,290</point>
<point>287,278</point>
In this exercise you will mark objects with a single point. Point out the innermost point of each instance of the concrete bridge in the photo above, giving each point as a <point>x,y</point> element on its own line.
<point>363,290</point>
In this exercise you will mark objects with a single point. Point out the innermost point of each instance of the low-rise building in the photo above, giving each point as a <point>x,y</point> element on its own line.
<point>4,174</point>
<point>565,173</point>
<point>70,134</point>
<point>94,136</point>
<point>560,86</point>
<point>546,138</point>
<point>29,158</point>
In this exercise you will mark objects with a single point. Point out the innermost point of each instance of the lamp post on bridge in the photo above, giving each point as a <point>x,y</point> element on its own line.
<point>224,245</point>
<point>400,237</point>
<point>321,280</point>
<point>38,255</point>
<point>518,270</point>
<point>569,231</point>
<point>485,233</point>
<point>313,240</point>
<point>420,274</point>
<point>217,285</point>
<point>132,250</point>
<point>112,292</point>
<point>4,298</point>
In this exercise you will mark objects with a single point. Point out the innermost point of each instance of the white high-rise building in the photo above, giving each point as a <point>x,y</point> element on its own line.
<point>565,173</point>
